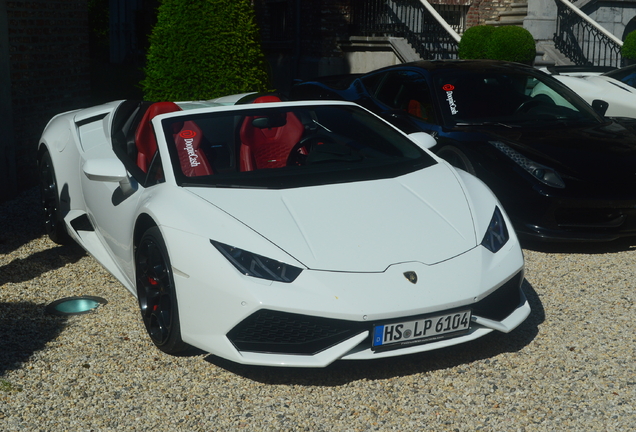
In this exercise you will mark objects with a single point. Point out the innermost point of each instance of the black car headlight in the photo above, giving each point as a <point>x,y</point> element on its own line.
<point>497,233</point>
<point>251,264</point>
<point>540,172</point>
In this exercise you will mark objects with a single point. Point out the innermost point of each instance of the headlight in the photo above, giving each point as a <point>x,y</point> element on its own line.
<point>540,172</point>
<point>496,234</point>
<point>257,266</point>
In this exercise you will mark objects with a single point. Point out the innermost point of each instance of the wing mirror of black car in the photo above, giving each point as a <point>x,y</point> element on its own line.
<point>600,107</point>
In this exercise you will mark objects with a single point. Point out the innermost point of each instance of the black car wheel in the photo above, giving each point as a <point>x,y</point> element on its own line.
<point>456,158</point>
<point>156,293</point>
<point>49,192</point>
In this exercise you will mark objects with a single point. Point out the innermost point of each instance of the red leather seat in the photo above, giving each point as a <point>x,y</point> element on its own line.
<point>145,139</point>
<point>192,160</point>
<point>268,145</point>
<point>187,138</point>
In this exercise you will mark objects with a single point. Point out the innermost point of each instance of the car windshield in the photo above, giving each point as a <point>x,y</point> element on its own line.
<point>506,97</point>
<point>291,146</point>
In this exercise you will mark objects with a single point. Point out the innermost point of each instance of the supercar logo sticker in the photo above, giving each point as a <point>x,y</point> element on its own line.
<point>411,276</point>
<point>448,88</point>
<point>187,134</point>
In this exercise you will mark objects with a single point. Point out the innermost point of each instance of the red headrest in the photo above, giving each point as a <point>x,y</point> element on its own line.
<point>145,139</point>
<point>267,98</point>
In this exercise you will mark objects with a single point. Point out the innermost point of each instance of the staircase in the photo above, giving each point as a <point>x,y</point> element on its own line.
<point>515,16</point>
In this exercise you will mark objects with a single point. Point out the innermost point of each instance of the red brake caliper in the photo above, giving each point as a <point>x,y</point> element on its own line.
<point>152,281</point>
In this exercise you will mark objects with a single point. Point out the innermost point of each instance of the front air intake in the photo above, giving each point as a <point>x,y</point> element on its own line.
<point>286,333</point>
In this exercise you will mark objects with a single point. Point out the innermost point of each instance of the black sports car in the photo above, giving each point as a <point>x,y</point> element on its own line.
<point>560,168</point>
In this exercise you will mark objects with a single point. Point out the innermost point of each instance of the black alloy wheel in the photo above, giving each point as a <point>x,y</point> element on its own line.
<point>156,293</point>
<point>49,192</point>
<point>456,158</point>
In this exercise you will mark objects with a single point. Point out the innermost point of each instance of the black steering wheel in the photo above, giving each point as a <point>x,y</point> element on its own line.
<point>528,105</point>
<point>298,154</point>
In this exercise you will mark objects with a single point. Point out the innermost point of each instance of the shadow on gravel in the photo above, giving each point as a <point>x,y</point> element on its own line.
<point>21,221</point>
<point>343,372</point>
<point>591,248</point>
<point>25,269</point>
<point>25,329</point>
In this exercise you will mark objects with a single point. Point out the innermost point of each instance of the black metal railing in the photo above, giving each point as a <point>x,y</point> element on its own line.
<point>411,20</point>
<point>582,43</point>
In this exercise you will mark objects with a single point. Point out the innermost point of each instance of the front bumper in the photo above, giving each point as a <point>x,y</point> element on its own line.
<point>582,216</point>
<point>325,316</point>
<point>301,340</point>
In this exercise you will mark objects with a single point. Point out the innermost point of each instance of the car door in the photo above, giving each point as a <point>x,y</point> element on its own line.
<point>112,203</point>
<point>111,209</point>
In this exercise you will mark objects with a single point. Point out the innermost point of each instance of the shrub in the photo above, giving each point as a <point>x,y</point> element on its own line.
<point>628,50</point>
<point>473,43</point>
<point>202,49</point>
<point>511,43</point>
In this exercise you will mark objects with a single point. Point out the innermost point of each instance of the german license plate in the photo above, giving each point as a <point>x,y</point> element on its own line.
<point>423,330</point>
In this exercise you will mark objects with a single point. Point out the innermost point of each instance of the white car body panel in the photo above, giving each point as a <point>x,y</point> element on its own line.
<point>310,219</point>
<point>354,241</point>
<point>621,97</point>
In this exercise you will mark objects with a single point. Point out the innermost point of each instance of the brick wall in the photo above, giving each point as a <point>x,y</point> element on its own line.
<point>306,49</point>
<point>50,70</point>
<point>485,10</point>
<point>323,23</point>
<point>335,17</point>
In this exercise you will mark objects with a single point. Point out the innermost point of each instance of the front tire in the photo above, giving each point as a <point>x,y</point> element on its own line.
<point>49,192</point>
<point>156,293</point>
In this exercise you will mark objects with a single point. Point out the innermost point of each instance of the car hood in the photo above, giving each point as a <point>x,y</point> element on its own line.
<point>595,86</point>
<point>600,155</point>
<point>359,227</point>
<point>620,96</point>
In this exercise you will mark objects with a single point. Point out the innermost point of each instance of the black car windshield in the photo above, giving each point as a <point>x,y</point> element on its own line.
<point>507,97</point>
<point>291,146</point>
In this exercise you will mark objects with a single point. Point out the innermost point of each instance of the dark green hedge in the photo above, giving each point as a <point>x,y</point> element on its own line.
<point>473,43</point>
<point>202,49</point>
<point>628,50</point>
<point>509,43</point>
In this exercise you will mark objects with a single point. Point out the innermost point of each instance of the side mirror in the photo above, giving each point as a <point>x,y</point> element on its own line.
<point>108,170</point>
<point>600,107</point>
<point>423,140</point>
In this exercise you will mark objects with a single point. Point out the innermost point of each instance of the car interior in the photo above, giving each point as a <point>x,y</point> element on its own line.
<point>267,141</point>
<point>228,143</point>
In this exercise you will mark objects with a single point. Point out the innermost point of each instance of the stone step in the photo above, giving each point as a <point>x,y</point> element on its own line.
<point>517,22</point>
<point>515,16</point>
<point>511,17</point>
<point>514,13</point>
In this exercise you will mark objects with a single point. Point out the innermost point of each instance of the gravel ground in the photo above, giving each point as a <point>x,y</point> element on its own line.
<point>569,366</point>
